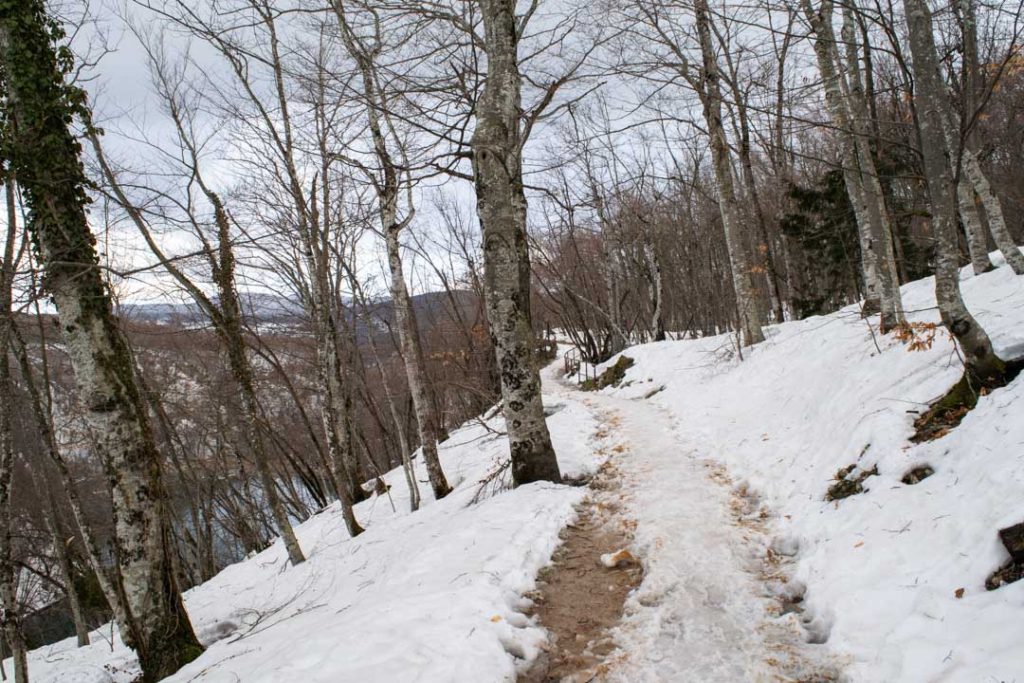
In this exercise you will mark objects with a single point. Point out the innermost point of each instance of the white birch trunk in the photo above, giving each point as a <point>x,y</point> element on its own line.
<point>977,240</point>
<point>971,168</point>
<point>501,207</point>
<point>877,213</point>
<point>657,292</point>
<point>45,158</point>
<point>387,197</point>
<point>11,615</point>
<point>44,424</point>
<point>412,357</point>
<point>837,105</point>
<point>747,306</point>
<point>983,367</point>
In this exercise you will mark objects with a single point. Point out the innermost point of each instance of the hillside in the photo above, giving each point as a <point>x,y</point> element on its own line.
<point>720,468</point>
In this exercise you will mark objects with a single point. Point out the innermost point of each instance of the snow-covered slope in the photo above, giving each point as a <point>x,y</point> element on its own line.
<point>881,569</point>
<point>724,466</point>
<point>430,596</point>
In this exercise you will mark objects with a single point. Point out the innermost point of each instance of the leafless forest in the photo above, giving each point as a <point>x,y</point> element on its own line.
<point>258,253</point>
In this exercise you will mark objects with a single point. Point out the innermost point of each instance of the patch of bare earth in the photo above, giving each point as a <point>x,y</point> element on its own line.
<point>578,599</point>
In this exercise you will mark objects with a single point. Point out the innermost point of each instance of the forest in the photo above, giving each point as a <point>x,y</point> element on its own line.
<point>267,263</point>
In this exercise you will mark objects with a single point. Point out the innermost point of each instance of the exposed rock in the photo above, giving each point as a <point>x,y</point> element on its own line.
<point>611,376</point>
<point>917,474</point>
<point>1013,538</point>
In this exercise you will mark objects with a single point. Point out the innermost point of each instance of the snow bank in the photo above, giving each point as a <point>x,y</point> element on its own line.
<point>882,568</point>
<point>430,596</point>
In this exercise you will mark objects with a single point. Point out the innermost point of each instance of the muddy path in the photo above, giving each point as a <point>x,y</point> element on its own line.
<point>581,595</point>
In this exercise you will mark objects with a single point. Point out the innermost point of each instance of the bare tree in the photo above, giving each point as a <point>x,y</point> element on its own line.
<point>225,311</point>
<point>983,367</point>
<point>711,101</point>
<point>844,99</point>
<point>497,144</point>
<point>8,574</point>
<point>387,182</point>
<point>45,159</point>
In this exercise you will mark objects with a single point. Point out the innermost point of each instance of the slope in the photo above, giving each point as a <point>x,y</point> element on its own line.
<point>877,576</point>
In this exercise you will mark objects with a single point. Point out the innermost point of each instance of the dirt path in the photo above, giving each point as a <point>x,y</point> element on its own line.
<point>716,602</point>
<point>579,600</point>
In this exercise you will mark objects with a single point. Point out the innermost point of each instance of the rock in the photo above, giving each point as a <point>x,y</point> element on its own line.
<point>1013,538</point>
<point>917,474</point>
<point>1010,572</point>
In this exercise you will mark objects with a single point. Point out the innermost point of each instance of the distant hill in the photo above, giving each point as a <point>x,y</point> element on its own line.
<point>278,310</point>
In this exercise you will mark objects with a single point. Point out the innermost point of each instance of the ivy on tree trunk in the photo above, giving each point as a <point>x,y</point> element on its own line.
<point>44,155</point>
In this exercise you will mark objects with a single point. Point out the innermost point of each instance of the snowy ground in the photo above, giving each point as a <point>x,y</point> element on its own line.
<point>707,608</point>
<point>881,569</point>
<point>431,596</point>
<point>724,465</point>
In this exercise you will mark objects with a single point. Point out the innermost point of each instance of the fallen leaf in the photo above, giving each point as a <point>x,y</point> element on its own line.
<point>495,619</point>
<point>959,593</point>
<point>858,544</point>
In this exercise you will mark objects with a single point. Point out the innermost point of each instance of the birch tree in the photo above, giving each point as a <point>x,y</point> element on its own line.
<point>663,58</point>
<point>224,312</point>
<point>973,182</point>
<point>8,573</point>
<point>844,100</point>
<point>256,95</point>
<point>387,180</point>
<point>983,367</point>
<point>710,91</point>
<point>497,145</point>
<point>45,158</point>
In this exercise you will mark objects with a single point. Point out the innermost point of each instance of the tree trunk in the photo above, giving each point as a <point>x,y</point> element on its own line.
<point>750,181</point>
<point>45,158</point>
<point>403,442</point>
<point>657,292</point>
<point>60,550</point>
<point>412,357</point>
<point>316,252</point>
<point>711,100</point>
<point>388,199</point>
<point>501,207</point>
<point>977,241</point>
<point>971,168</point>
<point>877,213</point>
<point>983,367</point>
<point>8,574</point>
<point>332,413</point>
<point>229,328</point>
<point>836,103</point>
<point>112,589</point>
<point>618,340</point>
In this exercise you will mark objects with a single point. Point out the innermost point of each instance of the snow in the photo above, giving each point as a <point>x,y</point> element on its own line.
<point>881,569</point>
<point>724,465</point>
<point>698,612</point>
<point>438,592</point>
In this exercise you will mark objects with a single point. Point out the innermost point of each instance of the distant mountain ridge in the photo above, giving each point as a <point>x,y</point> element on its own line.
<point>276,309</point>
<point>257,306</point>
